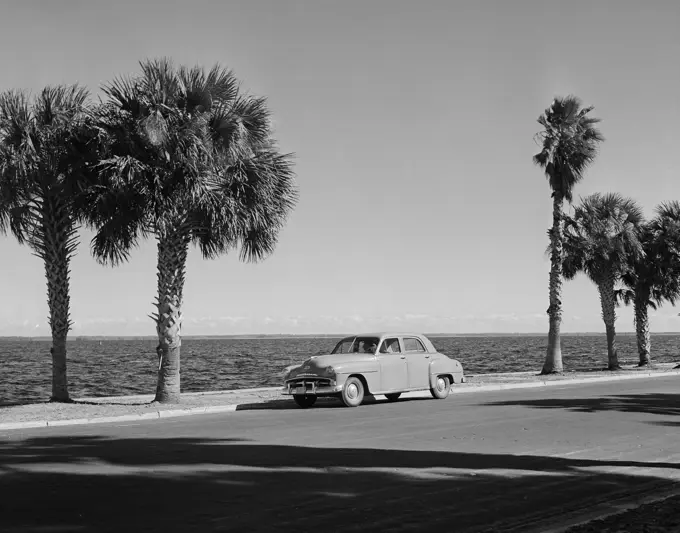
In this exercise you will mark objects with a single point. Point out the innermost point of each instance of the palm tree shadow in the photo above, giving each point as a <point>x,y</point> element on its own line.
<point>648,403</point>
<point>91,483</point>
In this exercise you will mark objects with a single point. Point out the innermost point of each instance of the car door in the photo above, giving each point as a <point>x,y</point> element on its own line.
<point>393,366</point>
<point>418,363</point>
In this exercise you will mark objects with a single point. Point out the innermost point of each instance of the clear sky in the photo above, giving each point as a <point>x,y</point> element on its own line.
<point>412,124</point>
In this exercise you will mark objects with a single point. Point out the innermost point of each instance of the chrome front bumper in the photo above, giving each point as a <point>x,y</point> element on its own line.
<point>310,387</point>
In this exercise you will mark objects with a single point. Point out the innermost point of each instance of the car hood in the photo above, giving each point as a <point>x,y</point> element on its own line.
<point>338,359</point>
<point>317,365</point>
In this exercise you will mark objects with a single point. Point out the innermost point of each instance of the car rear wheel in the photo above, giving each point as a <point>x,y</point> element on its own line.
<point>393,397</point>
<point>442,387</point>
<point>304,401</point>
<point>353,392</point>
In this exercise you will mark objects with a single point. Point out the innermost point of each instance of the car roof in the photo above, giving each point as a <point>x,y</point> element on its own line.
<point>387,334</point>
<point>429,347</point>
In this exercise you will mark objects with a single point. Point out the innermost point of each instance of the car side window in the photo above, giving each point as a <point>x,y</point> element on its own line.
<point>390,346</point>
<point>413,345</point>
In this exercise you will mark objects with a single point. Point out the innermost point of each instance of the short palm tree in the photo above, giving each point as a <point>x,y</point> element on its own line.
<point>569,142</point>
<point>190,160</point>
<point>48,150</point>
<point>655,277</point>
<point>602,240</point>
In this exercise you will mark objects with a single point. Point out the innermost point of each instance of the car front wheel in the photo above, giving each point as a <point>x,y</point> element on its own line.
<point>353,392</point>
<point>304,401</point>
<point>441,388</point>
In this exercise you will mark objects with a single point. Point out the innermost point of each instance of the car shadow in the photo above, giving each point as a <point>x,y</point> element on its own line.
<point>92,483</point>
<point>321,403</point>
<point>288,404</point>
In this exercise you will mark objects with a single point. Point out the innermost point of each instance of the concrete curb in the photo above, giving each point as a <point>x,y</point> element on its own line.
<point>169,413</point>
<point>227,408</point>
<point>471,387</point>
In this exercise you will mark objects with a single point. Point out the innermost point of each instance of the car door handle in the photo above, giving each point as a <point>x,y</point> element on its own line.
<point>427,357</point>
<point>403,357</point>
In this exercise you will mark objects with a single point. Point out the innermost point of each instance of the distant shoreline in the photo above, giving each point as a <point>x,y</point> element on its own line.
<point>263,336</point>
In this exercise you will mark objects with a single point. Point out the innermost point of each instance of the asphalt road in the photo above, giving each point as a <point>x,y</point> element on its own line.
<point>501,461</point>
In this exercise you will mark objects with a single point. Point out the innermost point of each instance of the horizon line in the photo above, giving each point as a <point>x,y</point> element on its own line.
<point>317,335</point>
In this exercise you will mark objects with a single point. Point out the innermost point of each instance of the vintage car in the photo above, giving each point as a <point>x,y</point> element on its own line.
<point>370,364</point>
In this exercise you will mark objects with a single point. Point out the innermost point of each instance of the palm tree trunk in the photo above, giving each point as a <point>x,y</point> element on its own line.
<point>553,359</point>
<point>608,303</point>
<point>56,250</point>
<point>642,326</point>
<point>172,257</point>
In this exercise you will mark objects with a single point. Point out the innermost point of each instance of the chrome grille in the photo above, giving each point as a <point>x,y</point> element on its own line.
<point>307,384</point>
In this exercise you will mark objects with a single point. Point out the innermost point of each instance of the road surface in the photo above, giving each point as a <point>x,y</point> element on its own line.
<point>500,461</point>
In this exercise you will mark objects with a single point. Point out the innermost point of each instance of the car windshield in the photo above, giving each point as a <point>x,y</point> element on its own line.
<point>356,345</point>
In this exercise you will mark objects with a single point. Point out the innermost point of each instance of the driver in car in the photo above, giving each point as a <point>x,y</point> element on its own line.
<point>369,346</point>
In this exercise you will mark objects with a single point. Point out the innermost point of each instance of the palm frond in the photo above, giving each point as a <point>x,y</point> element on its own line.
<point>63,103</point>
<point>201,157</point>
<point>117,236</point>
<point>118,212</point>
<point>669,211</point>
<point>659,274</point>
<point>258,244</point>
<point>624,295</point>
<point>240,126</point>
<point>17,128</point>
<point>195,95</point>
<point>48,147</point>
<point>222,84</point>
<point>604,237</point>
<point>570,143</point>
<point>122,93</point>
<point>159,79</point>
<point>254,199</point>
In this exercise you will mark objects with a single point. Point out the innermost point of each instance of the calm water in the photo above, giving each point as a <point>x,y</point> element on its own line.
<point>118,367</point>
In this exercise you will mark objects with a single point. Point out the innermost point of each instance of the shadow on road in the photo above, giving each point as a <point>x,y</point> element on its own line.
<point>170,484</point>
<point>652,403</point>
<point>321,403</point>
<point>287,404</point>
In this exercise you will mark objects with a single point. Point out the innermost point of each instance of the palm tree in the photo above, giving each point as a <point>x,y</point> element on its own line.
<point>190,160</point>
<point>654,278</point>
<point>602,240</point>
<point>48,150</point>
<point>569,145</point>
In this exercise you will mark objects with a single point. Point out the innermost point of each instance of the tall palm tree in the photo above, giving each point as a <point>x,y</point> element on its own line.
<point>569,145</point>
<point>602,240</point>
<point>655,277</point>
<point>191,159</point>
<point>48,150</point>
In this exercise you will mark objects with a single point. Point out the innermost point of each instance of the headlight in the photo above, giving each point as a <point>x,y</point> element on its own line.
<point>329,371</point>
